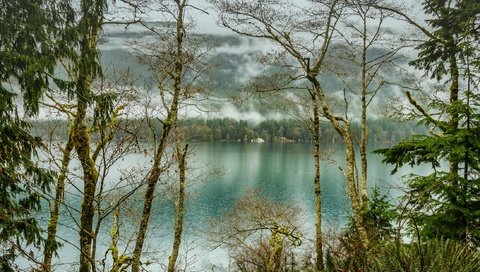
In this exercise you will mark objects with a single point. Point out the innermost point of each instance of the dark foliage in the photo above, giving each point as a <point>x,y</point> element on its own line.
<point>445,203</point>
<point>29,49</point>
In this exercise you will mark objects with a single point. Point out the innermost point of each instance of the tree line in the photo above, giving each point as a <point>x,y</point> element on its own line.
<point>383,131</point>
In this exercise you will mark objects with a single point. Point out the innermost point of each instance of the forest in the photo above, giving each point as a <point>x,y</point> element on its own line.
<point>382,131</point>
<point>398,77</point>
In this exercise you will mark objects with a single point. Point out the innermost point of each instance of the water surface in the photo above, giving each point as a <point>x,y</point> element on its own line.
<point>280,172</point>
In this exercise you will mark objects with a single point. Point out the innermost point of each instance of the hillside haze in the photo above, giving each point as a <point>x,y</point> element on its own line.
<point>234,62</point>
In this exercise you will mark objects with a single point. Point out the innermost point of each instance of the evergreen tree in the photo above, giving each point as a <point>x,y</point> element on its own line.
<point>446,202</point>
<point>29,48</point>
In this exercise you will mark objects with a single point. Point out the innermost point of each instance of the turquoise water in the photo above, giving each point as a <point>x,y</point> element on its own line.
<point>280,172</point>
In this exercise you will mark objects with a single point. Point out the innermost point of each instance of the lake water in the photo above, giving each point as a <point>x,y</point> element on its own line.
<point>280,172</point>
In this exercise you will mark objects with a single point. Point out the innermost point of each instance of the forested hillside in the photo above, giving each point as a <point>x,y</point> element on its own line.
<point>383,131</point>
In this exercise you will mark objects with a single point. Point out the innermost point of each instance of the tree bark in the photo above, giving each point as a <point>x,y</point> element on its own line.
<point>353,193</point>
<point>118,260</point>
<point>180,208</point>
<point>88,69</point>
<point>152,181</point>
<point>55,211</point>
<point>90,176</point>
<point>169,124</point>
<point>315,130</point>
<point>363,140</point>
<point>344,131</point>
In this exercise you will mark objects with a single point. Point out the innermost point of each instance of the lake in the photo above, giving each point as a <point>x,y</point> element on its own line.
<point>280,172</point>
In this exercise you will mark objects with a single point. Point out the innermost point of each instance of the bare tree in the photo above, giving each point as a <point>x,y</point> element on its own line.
<point>174,58</point>
<point>369,52</point>
<point>259,233</point>
<point>306,34</point>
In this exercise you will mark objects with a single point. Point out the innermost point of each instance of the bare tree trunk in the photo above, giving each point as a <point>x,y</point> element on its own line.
<point>315,130</point>
<point>343,129</point>
<point>149,195</point>
<point>353,194</point>
<point>363,140</point>
<point>169,124</point>
<point>117,262</point>
<point>59,190</point>
<point>180,208</point>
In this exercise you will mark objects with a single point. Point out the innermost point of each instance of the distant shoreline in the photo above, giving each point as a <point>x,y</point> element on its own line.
<point>380,131</point>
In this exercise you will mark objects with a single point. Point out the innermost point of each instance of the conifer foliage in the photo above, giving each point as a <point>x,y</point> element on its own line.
<point>28,55</point>
<point>445,204</point>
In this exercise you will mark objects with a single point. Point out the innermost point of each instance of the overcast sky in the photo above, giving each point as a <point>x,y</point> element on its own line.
<point>207,23</point>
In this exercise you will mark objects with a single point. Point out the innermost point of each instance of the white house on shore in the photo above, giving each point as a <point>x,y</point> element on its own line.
<point>258,140</point>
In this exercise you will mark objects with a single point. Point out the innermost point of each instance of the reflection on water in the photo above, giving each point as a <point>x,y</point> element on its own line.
<point>281,172</point>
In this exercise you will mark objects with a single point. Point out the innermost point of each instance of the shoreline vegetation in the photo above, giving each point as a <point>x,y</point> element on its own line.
<point>381,131</point>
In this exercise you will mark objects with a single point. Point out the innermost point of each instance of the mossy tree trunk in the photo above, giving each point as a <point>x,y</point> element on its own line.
<point>88,70</point>
<point>363,119</point>
<point>342,126</point>
<point>315,130</point>
<point>179,213</point>
<point>152,181</point>
<point>169,125</point>
<point>50,243</point>
<point>90,177</point>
